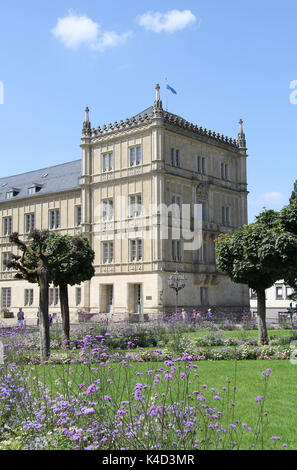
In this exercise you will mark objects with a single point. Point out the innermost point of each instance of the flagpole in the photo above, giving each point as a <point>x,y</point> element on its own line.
<point>166,94</point>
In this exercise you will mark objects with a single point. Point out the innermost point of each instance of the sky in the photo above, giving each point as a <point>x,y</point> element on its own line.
<point>226,60</point>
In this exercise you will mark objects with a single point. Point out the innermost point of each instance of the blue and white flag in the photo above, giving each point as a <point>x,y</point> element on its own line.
<point>171,89</point>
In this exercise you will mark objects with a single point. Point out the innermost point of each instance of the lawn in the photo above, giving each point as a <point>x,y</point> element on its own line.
<point>280,400</point>
<point>99,392</point>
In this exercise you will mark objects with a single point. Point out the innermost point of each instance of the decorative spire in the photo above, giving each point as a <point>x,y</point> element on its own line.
<point>87,114</point>
<point>87,124</point>
<point>158,102</point>
<point>241,142</point>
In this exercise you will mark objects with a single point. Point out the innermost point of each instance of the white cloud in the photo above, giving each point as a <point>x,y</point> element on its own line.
<point>77,30</point>
<point>169,22</point>
<point>110,39</point>
<point>272,198</point>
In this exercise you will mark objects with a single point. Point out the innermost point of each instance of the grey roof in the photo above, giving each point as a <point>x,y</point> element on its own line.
<point>52,179</point>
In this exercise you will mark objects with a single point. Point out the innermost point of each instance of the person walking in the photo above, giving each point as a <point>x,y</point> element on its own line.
<point>20,317</point>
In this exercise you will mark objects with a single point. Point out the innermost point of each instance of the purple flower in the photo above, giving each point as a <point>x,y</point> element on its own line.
<point>259,398</point>
<point>91,389</point>
<point>107,398</point>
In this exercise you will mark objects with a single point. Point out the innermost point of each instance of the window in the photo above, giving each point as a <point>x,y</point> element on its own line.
<point>29,294</point>
<point>107,209</point>
<point>204,253</point>
<point>34,189</point>
<point>53,296</point>
<point>279,292</point>
<point>6,226</point>
<point>175,202</point>
<point>136,250</point>
<point>176,250</point>
<point>289,291</point>
<point>203,210</point>
<point>253,294</point>
<point>107,252</point>
<point>78,216</point>
<point>204,295</point>
<point>135,156</point>
<point>12,193</point>
<point>226,216</point>
<point>107,162</point>
<point>29,222</point>
<point>201,165</point>
<point>5,297</point>
<point>174,157</point>
<point>135,205</point>
<point>54,218</point>
<point>78,296</point>
<point>225,171</point>
<point>5,258</point>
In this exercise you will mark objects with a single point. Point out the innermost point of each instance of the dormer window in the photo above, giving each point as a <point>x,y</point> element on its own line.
<point>12,193</point>
<point>35,188</point>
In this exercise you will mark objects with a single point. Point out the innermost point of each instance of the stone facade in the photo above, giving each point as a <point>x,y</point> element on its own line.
<point>153,159</point>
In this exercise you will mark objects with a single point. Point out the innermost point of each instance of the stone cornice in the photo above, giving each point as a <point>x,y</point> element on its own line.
<point>160,118</point>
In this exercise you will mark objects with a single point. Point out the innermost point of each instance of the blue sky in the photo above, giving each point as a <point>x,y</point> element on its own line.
<point>226,60</point>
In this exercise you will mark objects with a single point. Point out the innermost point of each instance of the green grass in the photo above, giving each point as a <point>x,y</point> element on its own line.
<point>281,333</point>
<point>280,402</point>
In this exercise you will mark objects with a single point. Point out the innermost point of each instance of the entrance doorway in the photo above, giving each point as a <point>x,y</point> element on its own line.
<point>137,298</point>
<point>109,298</point>
<point>106,298</point>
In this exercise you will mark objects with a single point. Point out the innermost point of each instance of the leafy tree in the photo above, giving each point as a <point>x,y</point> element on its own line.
<point>288,218</point>
<point>69,267</point>
<point>258,255</point>
<point>294,193</point>
<point>52,258</point>
<point>39,272</point>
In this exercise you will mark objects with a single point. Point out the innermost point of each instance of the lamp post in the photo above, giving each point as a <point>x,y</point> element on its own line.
<point>177,282</point>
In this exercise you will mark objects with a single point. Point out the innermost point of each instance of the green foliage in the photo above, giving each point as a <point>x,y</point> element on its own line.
<point>288,218</point>
<point>70,260</point>
<point>259,254</point>
<point>294,193</point>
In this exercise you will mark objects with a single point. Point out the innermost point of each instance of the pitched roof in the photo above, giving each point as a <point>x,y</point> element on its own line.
<point>58,178</point>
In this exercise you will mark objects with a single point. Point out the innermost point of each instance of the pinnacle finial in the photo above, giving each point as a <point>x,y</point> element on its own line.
<point>86,124</point>
<point>241,136</point>
<point>87,114</point>
<point>158,102</point>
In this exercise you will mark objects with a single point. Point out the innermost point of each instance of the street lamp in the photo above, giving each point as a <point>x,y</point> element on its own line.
<point>177,282</point>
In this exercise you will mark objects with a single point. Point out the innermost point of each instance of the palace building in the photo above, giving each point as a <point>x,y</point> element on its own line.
<point>153,160</point>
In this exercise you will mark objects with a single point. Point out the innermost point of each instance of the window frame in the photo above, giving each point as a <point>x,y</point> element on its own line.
<point>6,225</point>
<point>4,297</point>
<point>56,218</point>
<point>108,156</point>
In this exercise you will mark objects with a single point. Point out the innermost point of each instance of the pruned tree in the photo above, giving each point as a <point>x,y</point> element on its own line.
<point>48,258</point>
<point>69,266</point>
<point>288,219</point>
<point>258,255</point>
<point>35,272</point>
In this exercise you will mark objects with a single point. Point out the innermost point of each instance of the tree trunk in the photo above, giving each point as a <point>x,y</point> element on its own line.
<point>65,313</point>
<point>261,307</point>
<point>43,315</point>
